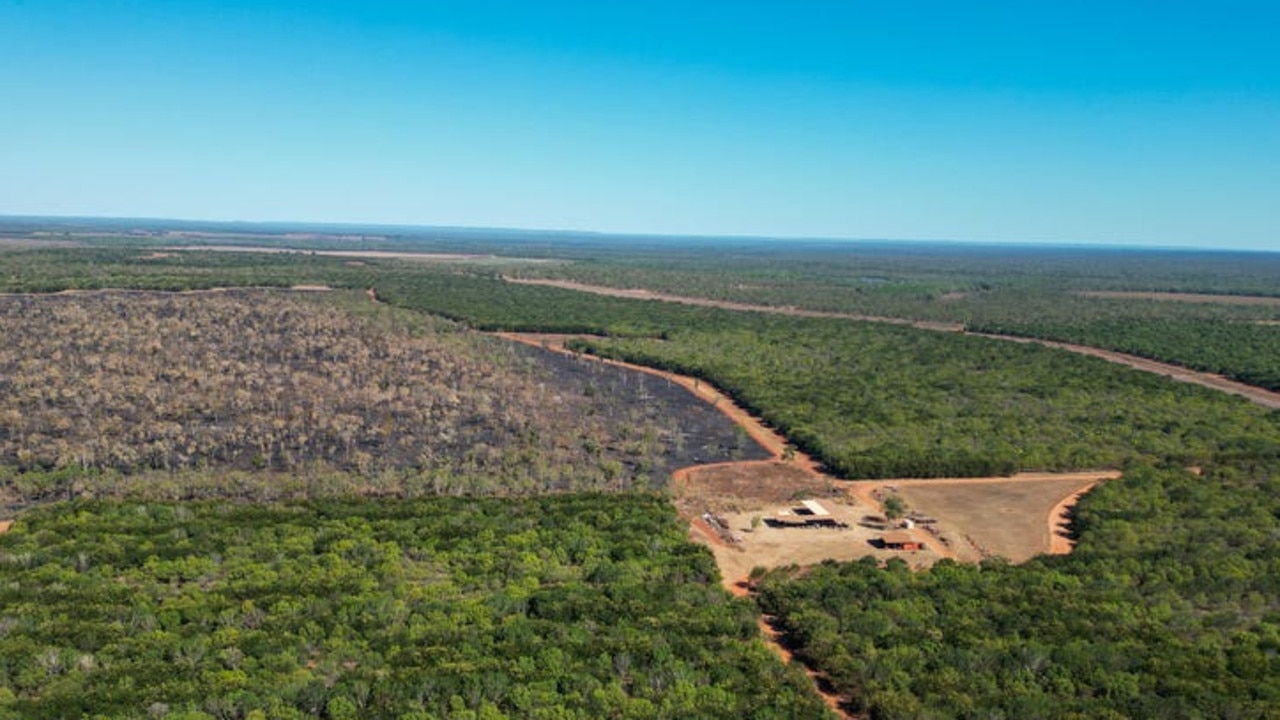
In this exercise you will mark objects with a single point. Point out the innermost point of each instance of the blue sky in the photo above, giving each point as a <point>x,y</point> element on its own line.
<point>1107,122</point>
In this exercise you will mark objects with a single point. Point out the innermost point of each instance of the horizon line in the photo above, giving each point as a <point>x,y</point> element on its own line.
<point>831,239</point>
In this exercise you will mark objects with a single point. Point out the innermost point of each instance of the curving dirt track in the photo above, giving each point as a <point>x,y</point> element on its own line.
<point>1257,395</point>
<point>732,562</point>
<point>642,294</point>
<point>865,493</point>
<point>755,428</point>
<point>762,434</point>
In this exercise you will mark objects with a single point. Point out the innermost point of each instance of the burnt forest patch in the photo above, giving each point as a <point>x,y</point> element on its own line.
<point>692,431</point>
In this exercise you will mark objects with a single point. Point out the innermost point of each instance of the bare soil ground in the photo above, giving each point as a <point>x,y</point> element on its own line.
<point>1183,297</point>
<point>771,547</point>
<point>1015,518</point>
<point>5,525</point>
<point>747,495</point>
<point>1257,395</point>
<point>739,487</point>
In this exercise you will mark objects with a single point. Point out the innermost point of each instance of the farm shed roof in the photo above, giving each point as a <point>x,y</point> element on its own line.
<point>814,507</point>
<point>900,538</point>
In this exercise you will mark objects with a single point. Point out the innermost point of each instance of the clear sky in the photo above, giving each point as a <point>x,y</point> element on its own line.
<point>1085,121</point>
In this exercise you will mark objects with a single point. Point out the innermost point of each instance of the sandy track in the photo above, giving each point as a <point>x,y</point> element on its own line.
<point>1257,395</point>
<point>699,529</point>
<point>1262,300</point>
<point>773,640</point>
<point>641,294</point>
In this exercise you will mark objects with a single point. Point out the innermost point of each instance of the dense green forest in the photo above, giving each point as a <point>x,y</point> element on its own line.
<point>880,401</point>
<point>1020,291</point>
<point>584,606</point>
<point>922,280</point>
<point>1248,351</point>
<point>1168,608</point>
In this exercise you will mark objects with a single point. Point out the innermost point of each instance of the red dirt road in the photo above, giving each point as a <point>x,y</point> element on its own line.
<point>769,439</point>
<point>863,491</point>
<point>753,426</point>
<point>1256,395</point>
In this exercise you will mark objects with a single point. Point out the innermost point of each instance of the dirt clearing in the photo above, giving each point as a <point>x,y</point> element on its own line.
<point>757,500</point>
<point>1015,517</point>
<point>737,487</point>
